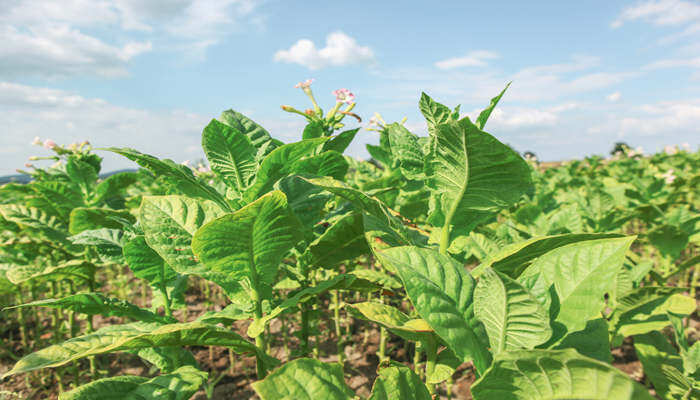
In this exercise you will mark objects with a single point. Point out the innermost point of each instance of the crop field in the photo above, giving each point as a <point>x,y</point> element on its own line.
<point>448,266</point>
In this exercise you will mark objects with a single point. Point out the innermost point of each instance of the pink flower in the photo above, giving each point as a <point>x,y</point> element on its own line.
<point>36,141</point>
<point>344,96</point>
<point>686,146</point>
<point>49,144</point>
<point>305,84</point>
<point>202,169</point>
<point>29,165</point>
<point>668,176</point>
<point>670,150</point>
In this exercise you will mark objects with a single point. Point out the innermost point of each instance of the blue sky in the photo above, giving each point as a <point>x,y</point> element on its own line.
<point>151,74</point>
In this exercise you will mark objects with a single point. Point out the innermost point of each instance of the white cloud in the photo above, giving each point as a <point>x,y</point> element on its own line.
<point>57,51</point>
<point>472,59</point>
<point>674,63</point>
<point>613,97</point>
<point>340,50</point>
<point>660,12</point>
<point>49,38</point>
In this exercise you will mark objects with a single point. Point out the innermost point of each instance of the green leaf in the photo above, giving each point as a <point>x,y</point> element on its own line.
<point>380,278</point>
<point>304,379</point>
<point>514,319</point>
<point>60,197</point>
<point>471,173</point>
<point>278,164</point>
<point>167,359</point>
<point>398,382</point>
<point>83,174</point>
<point>341,141</point>
<point>313,130</point>
<point>306,201</point>
<point>75,270</point>
<point>581,274</point>
<point>258,136</point>
<point>441,290</point>
<point>669,239</point>
<point>251,242</point>
<point>344,240</point>
<point>435,113</point>
<point>46,226</point>
<point>554,374</point>
<point>405,149</point>
<point>328,163</point>
<point>83,219</point>
<point>181,384</point>
<point>113,185</point>
<point>169,223</point>
<point>645,309</point>
<point>593,341</point>
<point>393,319</point>
<point>446,364</point>
<point>96,303</point>
<point>181,175</point>
<point>514,258</point>
<point>655,351</point>
<point>231,155</point>
<point>484,115</point>
<point>107,242</point>
<point>132,337</point>
<point>146,264</point>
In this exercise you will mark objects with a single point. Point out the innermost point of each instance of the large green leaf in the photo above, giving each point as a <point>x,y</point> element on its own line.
<point>96,303</point>
<point>75,270</point>
<point>59,197</point>
<point>328,163</point>
<point>441,290</point>
<point>91,218</point>
<point>279,163</point>
<point>654,352</point>
<point>108,243</point>
<point>251,242</point>
<point>554,375</point>
<point>344,240</point>
<point>231,155</point>
<point>181,384</point>
<point>406,150</point>
<point>435,113</point>
<point>146,264</point>
<point>341,141</point>
<point>645,309</point>
<point>258,136</point>
<point>471,173</point>
<point>182,176</point>
<point>113,185</point>
<point>169,222</point>
<point>83,174</point>
<point>304,379</point>
<point>514,258</point>
<point>36,220</point>
<point>398,382</point>
<point>393,319</point>
<point>593,341</point>
<point>132,337</point>
<point>514,319</point>
<point>581,274</point>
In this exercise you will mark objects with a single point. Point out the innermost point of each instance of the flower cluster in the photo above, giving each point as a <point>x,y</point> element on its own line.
<point>668,176</point>
<point>344,96</point>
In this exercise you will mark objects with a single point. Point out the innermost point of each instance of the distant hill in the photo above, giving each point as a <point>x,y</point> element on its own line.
<point>19,178</point>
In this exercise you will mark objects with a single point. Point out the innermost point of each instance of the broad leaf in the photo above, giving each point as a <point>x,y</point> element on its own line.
<point>304,379</point>
<point>645,309</point>
<point>98,304</point>
<point>405,149</point>
<point>441,290</point>
<point>258,136</point>
<point>344,240</point>
<point>231,155</point>
<point>581,274</point>
<point>75,270</point>
<point>472,174</point>
<point>393,319</point>
<point>132,337</point>
<point>654,352</point>
<point>512,316</point>
<point>486,113</point>
<point>84,219</point>
<point>249,243</point>
<point>398,382</point>
<point>554,375</point>
<point>181,175</point>
<point>181,384</point>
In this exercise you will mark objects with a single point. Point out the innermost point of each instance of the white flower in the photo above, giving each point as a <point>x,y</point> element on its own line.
<point>36,141</point>
<point>344,96</point>
<point>49,144</point>
<point>685,146</point>
<point>671,150</point>
<point>305,84</point>
<point>186,163</point>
